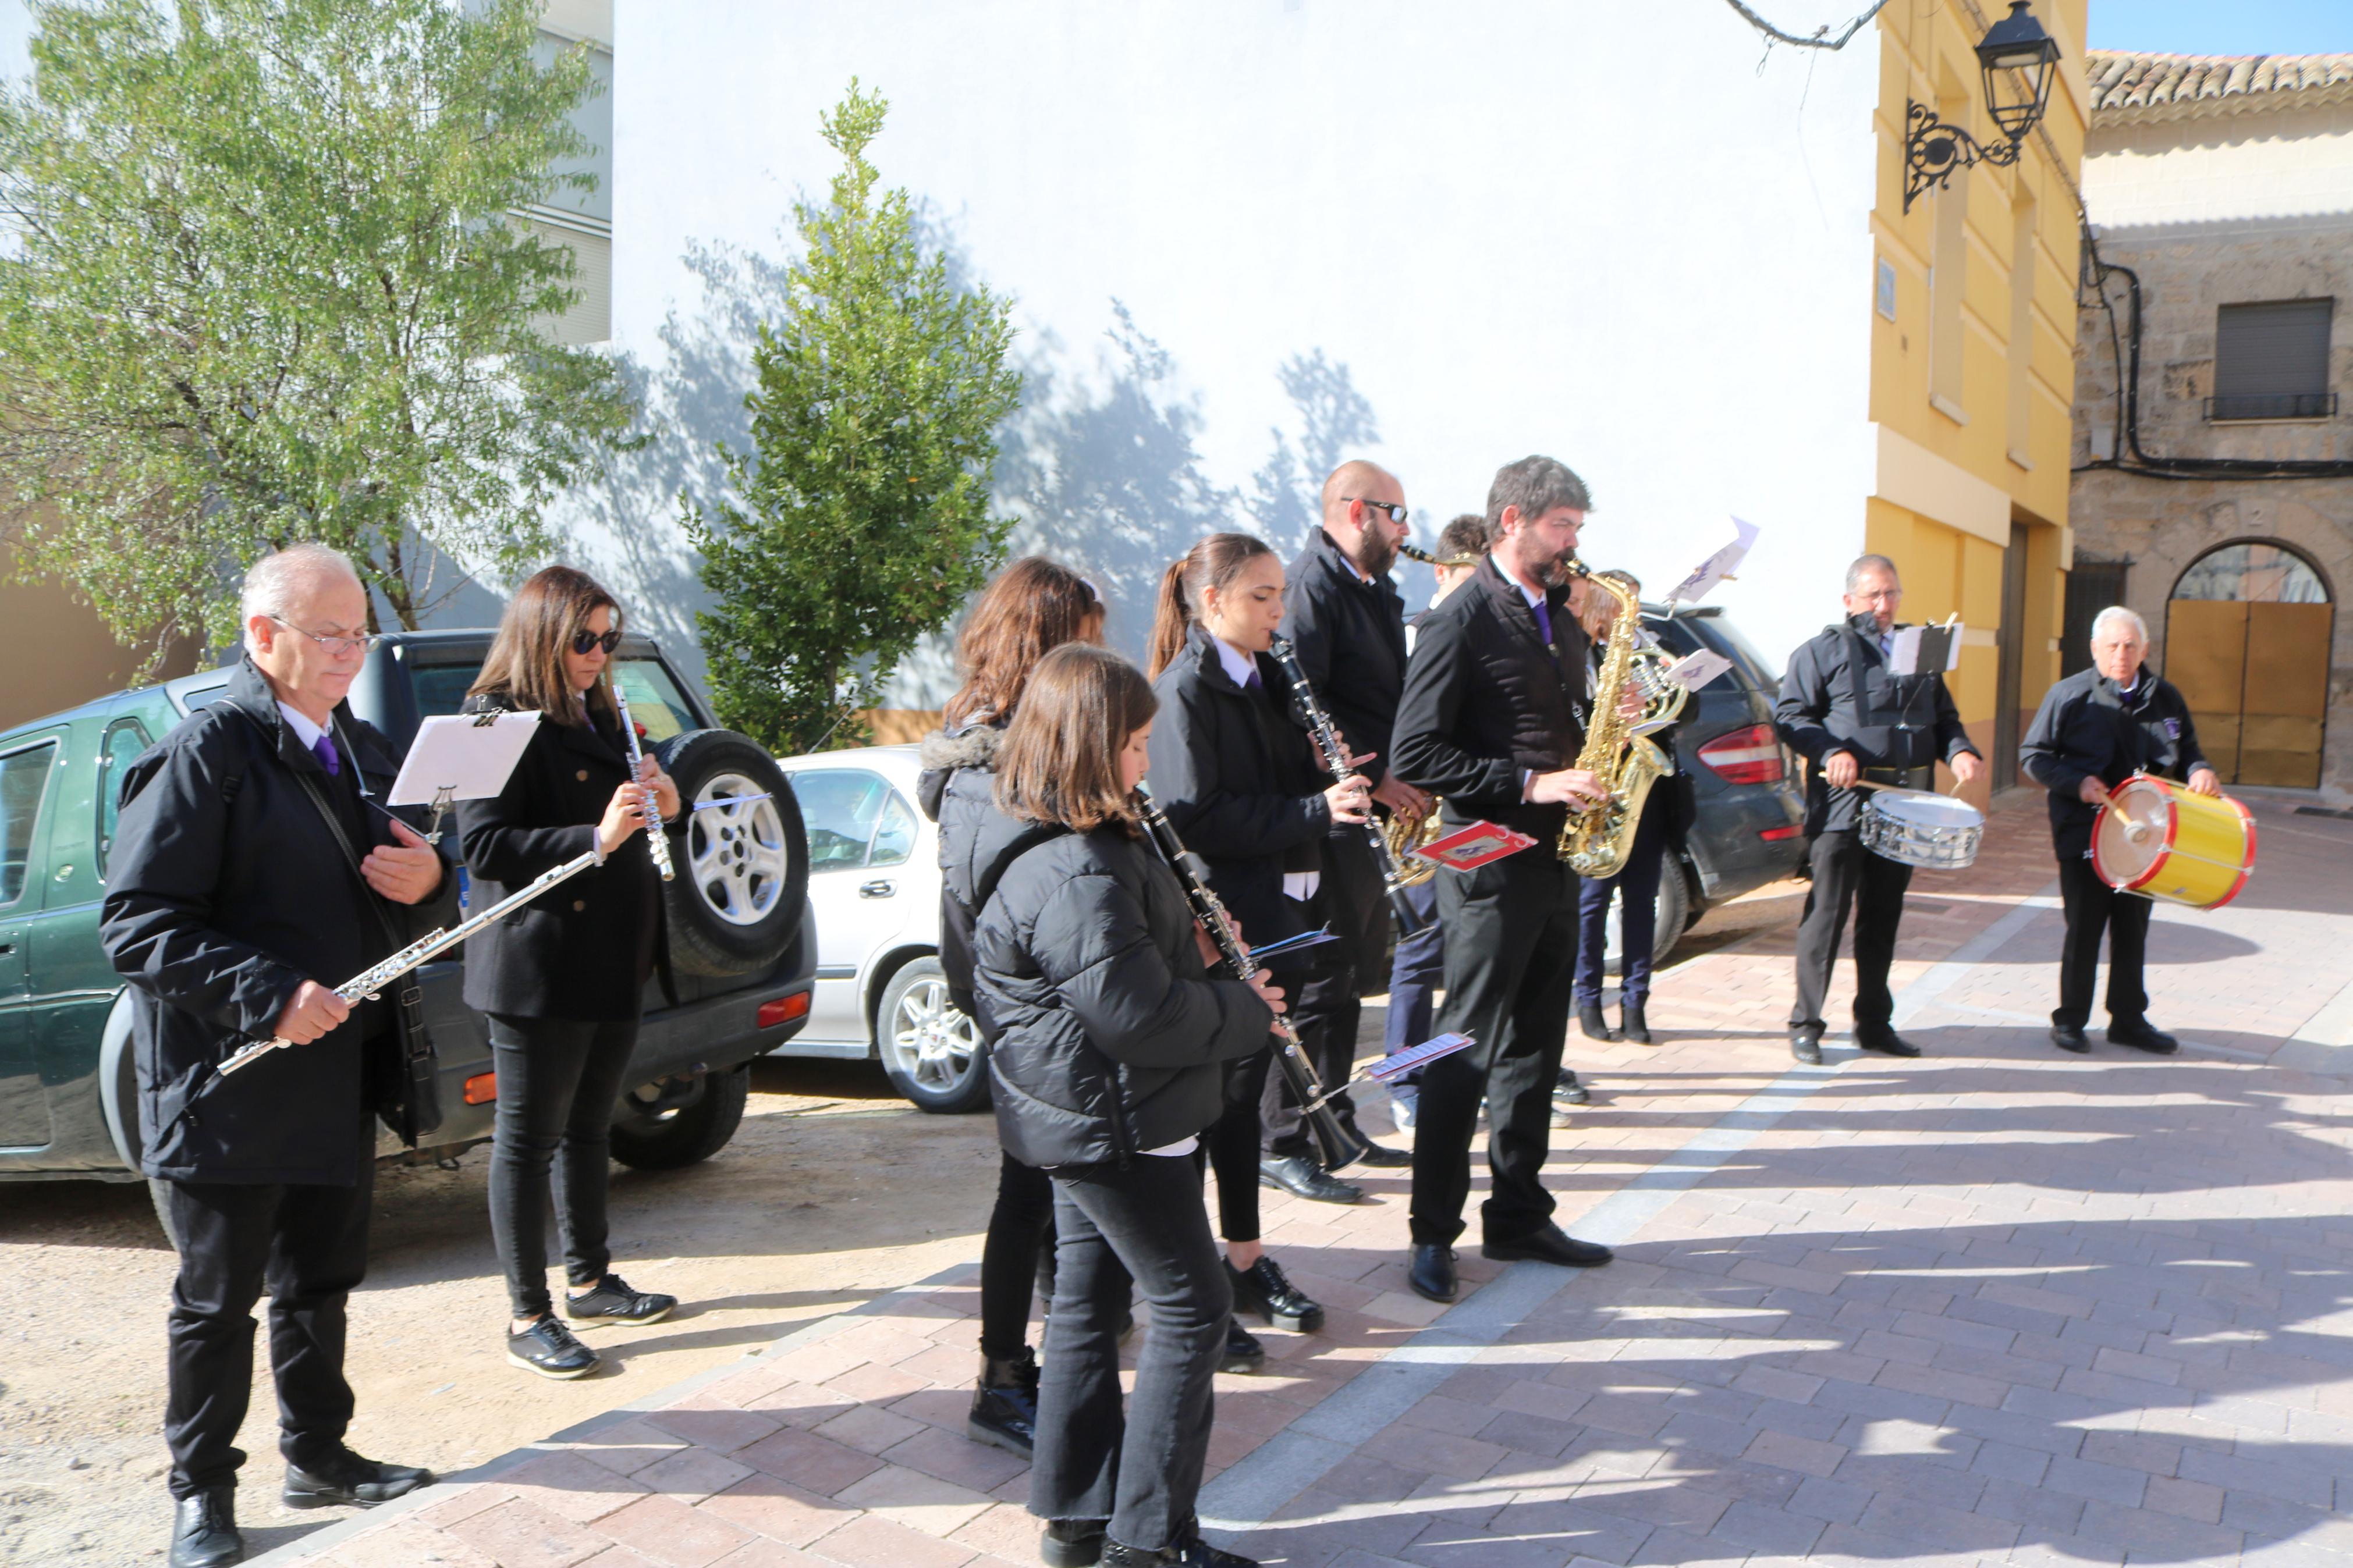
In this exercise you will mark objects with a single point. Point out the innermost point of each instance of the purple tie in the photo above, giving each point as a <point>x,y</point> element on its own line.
<point>1543,620</point>
<point>1253,683</point>
<point>324,748</point>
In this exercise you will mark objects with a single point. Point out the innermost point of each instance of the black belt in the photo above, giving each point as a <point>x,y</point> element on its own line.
<point>1900,778</point>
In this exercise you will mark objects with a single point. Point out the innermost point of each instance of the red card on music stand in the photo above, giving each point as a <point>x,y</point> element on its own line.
<point>1474,846</point>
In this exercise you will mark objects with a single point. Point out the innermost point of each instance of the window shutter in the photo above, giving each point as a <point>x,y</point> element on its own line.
<point>2270,358</point>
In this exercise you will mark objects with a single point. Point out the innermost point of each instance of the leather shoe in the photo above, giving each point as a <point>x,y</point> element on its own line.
<point>203,1530</point>
<point>1303,1178</point>
<point>1885,1041</point>
<point>1431,1272</point>
<point>1188,1550</point>
<point>1806,1044</point>
<point>2069,1037</point>
<point>1244,1353</point>
<point>1381,1157</point>
<point>1589,1019</point>
<point>345,1479</point>
<point>2142,1036</point>
<point>1265,1289</point>
<point>1072,1542</point>
<point>1633,1028</point>
<point>1550,1245</point>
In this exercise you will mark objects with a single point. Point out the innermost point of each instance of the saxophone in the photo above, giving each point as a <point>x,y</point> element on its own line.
<point>1617,751</point>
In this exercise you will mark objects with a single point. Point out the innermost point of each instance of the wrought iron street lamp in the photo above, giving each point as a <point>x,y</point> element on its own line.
<point>2017,57</point>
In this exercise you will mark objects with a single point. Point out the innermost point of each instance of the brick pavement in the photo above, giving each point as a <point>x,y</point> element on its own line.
<point>1998,1305</point>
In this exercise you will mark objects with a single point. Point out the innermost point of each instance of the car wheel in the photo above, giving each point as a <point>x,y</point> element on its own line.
<point>933,1052</point>
<point>672,1123</point>
<point>1673,907</point>
<point>742,870</point>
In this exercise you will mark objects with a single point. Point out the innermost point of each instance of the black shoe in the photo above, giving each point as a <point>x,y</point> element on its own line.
<point>1590,1019</point>
<point>1806,1044</point>
<point>347,1480</point>
<point>551,1349</point>
<point>2142,1036</point>
<point>1072,1542</point>
<point>612,1301</point>
<point>1381,1157</point>
<point>1885,1041</point>
<point>1263,1289</point>
<point>1188,1550</point>
<point>1005,1405</point>
<point>1243,1352</point>
<point>2069,1038</point>
<point>1633,1027</point>
<point>1299,1176</point>
<point>1431,1272</point>
<point>1550,1245</point>
<point>1567,1091</point>
<point>203,1530</point>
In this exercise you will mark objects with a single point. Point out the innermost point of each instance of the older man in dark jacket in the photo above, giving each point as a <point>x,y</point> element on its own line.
<point>254,869</point>
<point>1849,714</point>
<point>2094,729</point>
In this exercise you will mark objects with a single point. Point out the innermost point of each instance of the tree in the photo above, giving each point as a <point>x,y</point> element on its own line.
<point>860,518</point>
<point>268,284</point>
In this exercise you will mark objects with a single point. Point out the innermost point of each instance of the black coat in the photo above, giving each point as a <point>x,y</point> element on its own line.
<point>226,890</point>
<point>2086,727</point>
<point>1236,775</point>
<point>1486,701</point>
<point>1840,696</point>
<point>582,950</point>
<point>956,788</point>
<point>1108,1032</point>
<point>1350,637</point>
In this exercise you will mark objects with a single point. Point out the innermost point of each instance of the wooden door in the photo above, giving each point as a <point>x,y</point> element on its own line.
<point>2255,675</point>
<point>2206,659</point>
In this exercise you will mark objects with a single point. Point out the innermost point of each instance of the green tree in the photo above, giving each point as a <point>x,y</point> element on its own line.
<point>267,283</point>
<point>860,518</point>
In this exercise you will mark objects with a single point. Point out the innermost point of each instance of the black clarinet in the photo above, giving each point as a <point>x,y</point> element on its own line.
<point>1336,1144</point>
<point>1334,758</point>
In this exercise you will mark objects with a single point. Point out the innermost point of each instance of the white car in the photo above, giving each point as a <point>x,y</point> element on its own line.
<point>874,892</point>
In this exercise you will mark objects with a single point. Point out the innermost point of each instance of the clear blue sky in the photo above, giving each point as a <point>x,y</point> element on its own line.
<point>2223,27</point>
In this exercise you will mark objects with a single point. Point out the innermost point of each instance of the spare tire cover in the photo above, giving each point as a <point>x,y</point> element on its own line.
<point>743,868</point>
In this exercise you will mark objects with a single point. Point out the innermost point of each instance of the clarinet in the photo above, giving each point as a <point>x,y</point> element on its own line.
<point>657,839</point>
<point>1337,1146</point>
<point>1334,758</point>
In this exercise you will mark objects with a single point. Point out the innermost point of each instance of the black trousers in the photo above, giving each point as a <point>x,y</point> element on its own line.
<point>1636,889</point>
<point>1511,939</point>
<point>559,1081</point>
<point>1021,1232</point>
<point>2093,906</point>
<point>1231,1144</point>
<point>308,1246</point>
<point>1139,1469</point>
<point>1326,1009</point>
<point>1846,875</point>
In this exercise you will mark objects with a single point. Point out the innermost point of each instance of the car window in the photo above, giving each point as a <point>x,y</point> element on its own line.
<point>123,741</point>
<point>841,807</point>
<point>24,780</point>
<point>441,688</point>
<point>654,699</point>
<point>894,837</point>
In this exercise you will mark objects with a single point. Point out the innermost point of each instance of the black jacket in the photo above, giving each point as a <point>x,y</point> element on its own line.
<point>581,951</point>
<point>1350,637</point>
<point>1486,701</point>
<point>226,890</point>
<point>1237,778</point>
<point>1107,1031</point>
<point>1839,696</point>
<point>2086,727</point>
<point>957,787</point>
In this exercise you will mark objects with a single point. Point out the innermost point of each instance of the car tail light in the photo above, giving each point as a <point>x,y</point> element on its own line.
<point>481,1089</point>
<point>1750,756</point>
<point>783,1010</point>
<point>1775,835</point>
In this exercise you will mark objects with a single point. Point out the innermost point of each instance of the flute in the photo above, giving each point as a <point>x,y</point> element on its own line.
<point>657,840</point>
<point>1337,1146</point>
<point>1336,762</point>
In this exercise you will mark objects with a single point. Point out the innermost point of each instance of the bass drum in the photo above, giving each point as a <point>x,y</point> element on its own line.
<point>743,869</point>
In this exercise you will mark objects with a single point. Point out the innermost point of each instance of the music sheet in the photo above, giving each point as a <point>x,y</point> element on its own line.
<point>465,756</point>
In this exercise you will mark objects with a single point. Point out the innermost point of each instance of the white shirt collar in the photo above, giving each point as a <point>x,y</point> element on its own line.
<point>1240,666</point>
<point>304,730</point>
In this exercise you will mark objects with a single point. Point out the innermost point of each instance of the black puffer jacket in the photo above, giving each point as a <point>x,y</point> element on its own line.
<point>959,779</point>
<point>1108,1032</point>
<point>1840,696</point>
<point>2086,727</point>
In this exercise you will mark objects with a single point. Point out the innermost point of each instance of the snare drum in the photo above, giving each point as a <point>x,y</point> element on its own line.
<point>1912,828</point>
<point>2154,837</point>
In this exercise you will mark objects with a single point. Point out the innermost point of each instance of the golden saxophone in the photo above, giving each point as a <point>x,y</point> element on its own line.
<point>1617,750</point>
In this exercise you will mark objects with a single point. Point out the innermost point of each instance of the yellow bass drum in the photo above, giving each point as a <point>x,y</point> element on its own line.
<point>2154,837</point>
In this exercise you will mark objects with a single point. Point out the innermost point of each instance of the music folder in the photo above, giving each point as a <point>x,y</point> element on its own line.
<point>462,756</point>
<point>1919,649</point>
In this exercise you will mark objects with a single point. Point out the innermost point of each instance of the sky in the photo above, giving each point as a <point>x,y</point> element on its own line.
<point>2223,27</point>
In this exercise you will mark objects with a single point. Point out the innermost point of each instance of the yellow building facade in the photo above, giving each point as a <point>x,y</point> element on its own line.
<point>1972,367</point>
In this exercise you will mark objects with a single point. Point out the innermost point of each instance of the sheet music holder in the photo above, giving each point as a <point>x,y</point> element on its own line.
<point>1389,1068</point>
<point>1718,568</point>
<point>461,756</point>
<point>1919,648</point>
<point>1474,846</point>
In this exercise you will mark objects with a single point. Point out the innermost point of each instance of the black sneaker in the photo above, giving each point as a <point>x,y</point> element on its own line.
<point>1189,1550</point>
<point>345,1479</point>
<point>612,1301</point>
<point>1264,1289</point>
<point>1243,1352</point>
<point>551,1349</point>
<point>1072,1542</point>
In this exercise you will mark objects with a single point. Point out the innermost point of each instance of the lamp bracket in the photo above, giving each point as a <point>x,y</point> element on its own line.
<point>1933,149</point>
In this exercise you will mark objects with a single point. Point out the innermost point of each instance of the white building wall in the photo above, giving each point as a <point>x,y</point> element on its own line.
<point>2274,163</point>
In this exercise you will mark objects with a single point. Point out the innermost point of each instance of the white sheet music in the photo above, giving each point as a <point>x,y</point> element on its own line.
<point>1914,645</point>
<point>1716,567</point>
<point>459,755</point>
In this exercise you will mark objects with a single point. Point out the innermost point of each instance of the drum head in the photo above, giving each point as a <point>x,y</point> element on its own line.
<point>2128,838</point>
<point>1921,809</point>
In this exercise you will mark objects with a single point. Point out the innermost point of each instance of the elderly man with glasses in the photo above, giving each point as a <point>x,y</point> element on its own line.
<point>256,868</point>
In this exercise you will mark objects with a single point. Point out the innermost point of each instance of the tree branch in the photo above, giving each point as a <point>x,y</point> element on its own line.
<point>1820,38</point>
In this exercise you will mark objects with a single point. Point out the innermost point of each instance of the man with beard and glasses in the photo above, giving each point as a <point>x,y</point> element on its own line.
<point>1346,620</point>
<point>1492,718</point>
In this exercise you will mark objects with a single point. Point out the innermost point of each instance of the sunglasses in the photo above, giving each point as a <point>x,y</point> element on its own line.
<point>584,642</point>
<point>1397,513</point>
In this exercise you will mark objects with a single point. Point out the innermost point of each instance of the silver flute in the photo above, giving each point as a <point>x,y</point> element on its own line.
<point>1335,757</point>
<point>657,841</point>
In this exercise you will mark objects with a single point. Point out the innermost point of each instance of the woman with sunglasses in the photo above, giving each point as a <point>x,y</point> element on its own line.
<point>561,981</point>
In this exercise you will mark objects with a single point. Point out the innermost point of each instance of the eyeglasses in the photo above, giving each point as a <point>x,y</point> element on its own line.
<point>337,648</point>
<point>1397,514</point>
<point>584,642</point>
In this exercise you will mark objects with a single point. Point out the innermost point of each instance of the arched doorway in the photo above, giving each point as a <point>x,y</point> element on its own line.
<point>2247,641</point>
